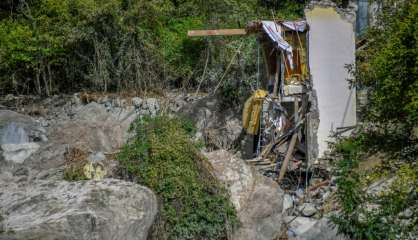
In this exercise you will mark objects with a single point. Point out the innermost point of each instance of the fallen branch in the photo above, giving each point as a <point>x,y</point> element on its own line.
<point>318,185</point>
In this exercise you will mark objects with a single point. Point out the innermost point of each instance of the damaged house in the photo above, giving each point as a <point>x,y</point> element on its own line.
<point>304,96</point>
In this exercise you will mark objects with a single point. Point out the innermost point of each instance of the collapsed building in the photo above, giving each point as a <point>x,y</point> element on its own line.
<point>303,98</point>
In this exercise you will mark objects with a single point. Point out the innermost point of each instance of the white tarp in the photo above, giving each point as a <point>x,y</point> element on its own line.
<point>299,26</point>
<point>274,31</point>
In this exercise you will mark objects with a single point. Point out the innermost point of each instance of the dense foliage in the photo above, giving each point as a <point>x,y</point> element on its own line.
<point>369,215</point>
<point>162,157</point>
<point>48,46</point>
<point>387,67</point>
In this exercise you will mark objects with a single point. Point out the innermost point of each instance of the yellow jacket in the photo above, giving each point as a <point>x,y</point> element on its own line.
<point>252,112</point>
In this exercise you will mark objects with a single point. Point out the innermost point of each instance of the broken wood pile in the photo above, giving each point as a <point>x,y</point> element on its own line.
<point>284,148</point>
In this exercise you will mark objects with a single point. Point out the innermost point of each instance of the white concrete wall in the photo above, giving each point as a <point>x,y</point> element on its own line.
<point>331,47</point>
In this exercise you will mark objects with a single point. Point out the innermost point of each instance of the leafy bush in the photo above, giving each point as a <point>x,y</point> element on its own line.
<point>365,215</point>
<point>162,157</point>
<point>388,67</point>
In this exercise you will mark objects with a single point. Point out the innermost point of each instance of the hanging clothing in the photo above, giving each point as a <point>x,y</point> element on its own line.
<point>252,112</point>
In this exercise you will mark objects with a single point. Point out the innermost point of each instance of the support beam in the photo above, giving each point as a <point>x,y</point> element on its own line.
<point>216,32</point>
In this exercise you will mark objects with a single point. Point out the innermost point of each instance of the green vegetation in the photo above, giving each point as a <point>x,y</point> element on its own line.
<point>163,157</point>
<point>49,46</point>
<point>74,173</point>
<point>387,67</point>
<point>367,215</point>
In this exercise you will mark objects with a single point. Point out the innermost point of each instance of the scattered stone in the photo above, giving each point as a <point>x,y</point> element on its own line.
<point>287,202</point>
<point>18,153</point>
<point>153,106</point>
<point>137,102</point>
<point>307,209</point>
<point>300,193</point>
<point>96,157</point>
<point>316,230</point>
<point>299,225</point>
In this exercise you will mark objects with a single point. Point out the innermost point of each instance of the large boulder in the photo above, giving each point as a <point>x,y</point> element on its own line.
<point>257,199</point>
<point>49,210</point>
<point>18,134</point>
<point>18,128</point>
<point>220,127</point>
<point>303,228</point>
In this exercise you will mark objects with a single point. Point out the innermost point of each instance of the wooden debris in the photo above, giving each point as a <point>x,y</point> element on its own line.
<point>289,154</point>
<point>318,185</point>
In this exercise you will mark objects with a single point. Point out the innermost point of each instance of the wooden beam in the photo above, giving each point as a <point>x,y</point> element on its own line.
<point>292,143</point>
<point>216,32</point>
<point>289,154</point>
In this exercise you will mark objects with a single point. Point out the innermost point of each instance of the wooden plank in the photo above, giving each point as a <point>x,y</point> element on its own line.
<point>289,154</point>
<point>216,32</point>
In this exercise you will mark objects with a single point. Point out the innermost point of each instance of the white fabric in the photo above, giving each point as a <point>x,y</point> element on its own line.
<point>299,26</point>
<point>274,31</point>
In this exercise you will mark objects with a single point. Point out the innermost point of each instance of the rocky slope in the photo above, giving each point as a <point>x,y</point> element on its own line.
<point>41,138</point>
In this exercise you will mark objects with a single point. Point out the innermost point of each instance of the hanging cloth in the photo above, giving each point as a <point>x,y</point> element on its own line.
<point>274,31</point>
<point>252,112</point>
<point>299,26</point>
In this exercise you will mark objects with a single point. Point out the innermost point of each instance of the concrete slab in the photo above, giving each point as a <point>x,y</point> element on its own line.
<point>331,48</point>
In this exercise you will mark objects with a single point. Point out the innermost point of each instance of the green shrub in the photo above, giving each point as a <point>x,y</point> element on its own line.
<point>162,157</point>
<point>388,66</point>
<point>356,217</point>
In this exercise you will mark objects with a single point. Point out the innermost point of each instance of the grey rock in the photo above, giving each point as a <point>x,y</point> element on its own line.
<point>325,196</point>
<point>380,186</point>
<point>96,157</point>
<point>287,202</point>
<point>307,209</point>
<point>18,153</point>
<point>13,134</point>
<point>257,199</point>
<point>49,210</point>
<point>19,128</point>
<point>153,106</point>
<point>101,136</point>
<point>76,99</point>
<point>299,193</point>
<point>137,102</point>
<point>220,127</point>
<point>93,112</point>
<point>104,100</point>
<point>299,225</point>
<point>309,229</point>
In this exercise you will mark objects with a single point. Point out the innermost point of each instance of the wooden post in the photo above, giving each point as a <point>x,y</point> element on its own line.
<point>292,144</point>
<point>276,76</point>
<point>288,156</point>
